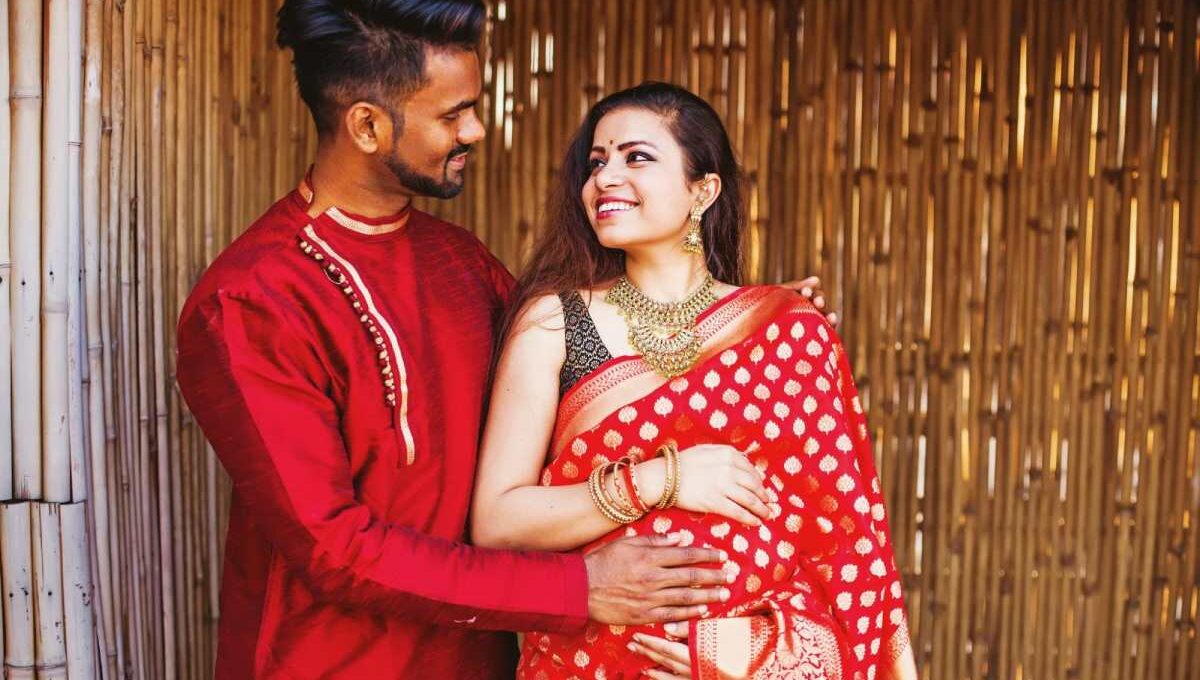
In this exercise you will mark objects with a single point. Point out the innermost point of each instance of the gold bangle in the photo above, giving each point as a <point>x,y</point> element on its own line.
<point>600,498</point>
<point>634,489</point>
<point>622,501</point>
<point>594,493</point>
<point>678,481</point>
<point>671,484</point>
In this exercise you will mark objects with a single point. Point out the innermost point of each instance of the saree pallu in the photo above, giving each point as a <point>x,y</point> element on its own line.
<point>817,594</point>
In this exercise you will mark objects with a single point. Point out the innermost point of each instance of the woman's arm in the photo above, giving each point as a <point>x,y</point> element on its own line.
<point>511,509</point>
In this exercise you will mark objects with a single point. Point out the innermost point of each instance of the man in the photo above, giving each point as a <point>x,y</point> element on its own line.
<point>336,357</point>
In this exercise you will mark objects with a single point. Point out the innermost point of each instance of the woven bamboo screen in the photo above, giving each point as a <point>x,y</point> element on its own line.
<point>1002,196</point>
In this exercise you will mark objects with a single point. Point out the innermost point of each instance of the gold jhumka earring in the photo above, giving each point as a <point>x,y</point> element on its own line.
<point>693,241</point>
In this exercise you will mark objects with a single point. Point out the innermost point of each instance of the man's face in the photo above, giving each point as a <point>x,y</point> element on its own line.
<point>429,155</point>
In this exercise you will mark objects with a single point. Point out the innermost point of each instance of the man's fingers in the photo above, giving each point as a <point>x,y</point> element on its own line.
<point>804,286</point>
<point>669,614</point>
<point>678,557</point>
<point>656,540</point>
<point>692,577</point>
<point>685,596</point>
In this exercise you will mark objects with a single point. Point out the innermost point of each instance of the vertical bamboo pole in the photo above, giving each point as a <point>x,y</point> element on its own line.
<point>6,401</point>
<point>78,593</point>
<point>159,322</point>
<point>24,228</point>
<point>17,558</point>
<point>51,643</point>
<point>92,217</point>
<point>74,271</point>
<point>56,129</point>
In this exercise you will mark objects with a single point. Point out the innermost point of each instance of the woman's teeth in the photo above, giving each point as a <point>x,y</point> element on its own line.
<point>614,206</point>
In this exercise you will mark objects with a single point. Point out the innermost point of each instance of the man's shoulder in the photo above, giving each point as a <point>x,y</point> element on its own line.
<point>447,231</point>
<point>264,252</point>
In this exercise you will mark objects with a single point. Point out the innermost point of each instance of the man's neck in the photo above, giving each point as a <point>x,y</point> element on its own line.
<point>351,190</point>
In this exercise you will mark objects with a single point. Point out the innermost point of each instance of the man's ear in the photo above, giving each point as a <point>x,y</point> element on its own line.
<point>368,125</point>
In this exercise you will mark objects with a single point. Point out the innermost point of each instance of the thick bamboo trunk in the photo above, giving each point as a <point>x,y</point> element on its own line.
<point>17,563</point>
<point>56,237</point>
<point>51,644</point>
<point>25,211</point>
<point>78,593</point>
<point>75,310</point>
<point>6,400</point>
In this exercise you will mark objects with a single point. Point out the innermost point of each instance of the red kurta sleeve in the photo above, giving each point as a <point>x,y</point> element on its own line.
<point>502,279</point>
<point>257,388</point>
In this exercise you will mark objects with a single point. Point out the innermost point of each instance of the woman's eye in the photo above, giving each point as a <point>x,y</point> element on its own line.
<point>637,157</point>
<point>595,164</point>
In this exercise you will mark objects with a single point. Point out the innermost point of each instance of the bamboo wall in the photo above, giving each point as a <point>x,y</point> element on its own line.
<point>1002,196</point>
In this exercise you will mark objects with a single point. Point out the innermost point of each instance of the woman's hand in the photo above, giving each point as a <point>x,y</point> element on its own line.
<point>671,655</point>
<point>713,478</point>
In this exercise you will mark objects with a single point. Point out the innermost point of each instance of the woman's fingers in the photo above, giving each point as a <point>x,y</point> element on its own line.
<point>677,631</point>
<point>737,513</point>
<point>752,482</point>
<point>672,656</point>
<point>748,500</point>
<point>659,674</point>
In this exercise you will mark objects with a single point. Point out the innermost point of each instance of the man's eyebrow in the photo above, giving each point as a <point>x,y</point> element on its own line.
<point>463,106</point>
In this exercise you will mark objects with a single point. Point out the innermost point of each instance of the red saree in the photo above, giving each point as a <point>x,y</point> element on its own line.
<point>817,594</point>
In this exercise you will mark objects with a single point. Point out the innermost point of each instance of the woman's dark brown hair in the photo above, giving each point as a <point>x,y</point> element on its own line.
<point>568,256</point>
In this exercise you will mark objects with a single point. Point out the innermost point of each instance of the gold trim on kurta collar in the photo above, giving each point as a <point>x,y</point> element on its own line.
<point>358,223</point>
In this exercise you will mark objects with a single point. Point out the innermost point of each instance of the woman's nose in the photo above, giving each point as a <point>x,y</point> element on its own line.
<point>608,176</point>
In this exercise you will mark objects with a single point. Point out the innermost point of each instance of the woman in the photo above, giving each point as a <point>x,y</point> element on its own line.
<point>672,400</point>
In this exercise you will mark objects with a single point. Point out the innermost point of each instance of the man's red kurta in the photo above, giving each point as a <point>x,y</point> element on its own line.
<point>341,379</point>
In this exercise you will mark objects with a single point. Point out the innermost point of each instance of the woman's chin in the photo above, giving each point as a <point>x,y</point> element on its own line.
<point>611,237</point>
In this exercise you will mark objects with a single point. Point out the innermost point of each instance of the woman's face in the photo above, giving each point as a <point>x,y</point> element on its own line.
<point>638,195</point>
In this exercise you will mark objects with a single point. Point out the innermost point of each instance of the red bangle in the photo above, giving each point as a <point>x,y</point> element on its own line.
<point>631,484</point>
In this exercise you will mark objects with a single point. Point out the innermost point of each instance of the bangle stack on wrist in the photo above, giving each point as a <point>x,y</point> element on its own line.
<point>617,510</point>
<point>627,506</point>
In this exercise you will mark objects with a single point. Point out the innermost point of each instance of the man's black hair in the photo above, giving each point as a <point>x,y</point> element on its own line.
<point>369,50</point>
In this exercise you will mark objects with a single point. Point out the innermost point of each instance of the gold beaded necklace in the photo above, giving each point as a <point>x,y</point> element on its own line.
<point>663,332</point>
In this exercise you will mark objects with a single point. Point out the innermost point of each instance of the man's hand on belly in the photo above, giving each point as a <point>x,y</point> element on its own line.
<point>651,579</point>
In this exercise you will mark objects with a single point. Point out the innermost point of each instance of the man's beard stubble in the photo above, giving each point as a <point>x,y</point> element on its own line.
<point>425,185</point>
